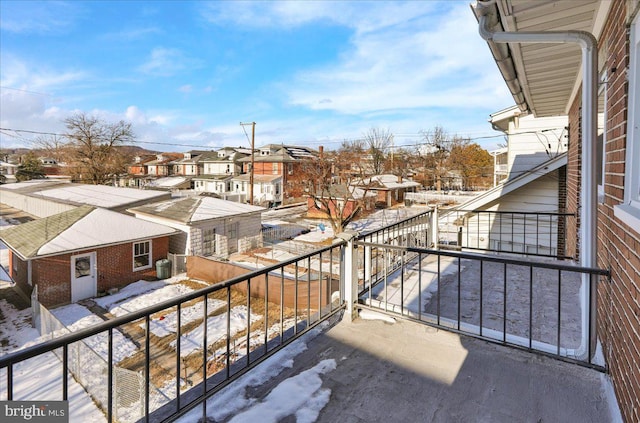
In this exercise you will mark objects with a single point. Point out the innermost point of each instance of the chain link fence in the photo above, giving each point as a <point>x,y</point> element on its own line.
<point>91,370</point>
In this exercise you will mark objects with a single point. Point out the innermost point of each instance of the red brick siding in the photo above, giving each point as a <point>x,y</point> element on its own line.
<point>618,245</point>
<point>114,269</point>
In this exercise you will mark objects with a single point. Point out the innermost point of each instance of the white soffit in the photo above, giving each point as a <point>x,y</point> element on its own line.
<point>550,74</point>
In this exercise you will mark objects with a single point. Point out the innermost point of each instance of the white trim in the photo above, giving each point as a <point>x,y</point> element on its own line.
<point>629,212</point>
<point>133,255</point>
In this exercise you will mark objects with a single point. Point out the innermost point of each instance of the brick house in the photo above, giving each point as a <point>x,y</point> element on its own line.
<point>389,189</point>
<point>590,76</point>
<point>340,199</point>
<point>286,161</point>
<point>79,253</point>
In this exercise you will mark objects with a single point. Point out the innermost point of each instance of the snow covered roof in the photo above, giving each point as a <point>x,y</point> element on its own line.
<point>195,209</point>
<point>169,182</point>
<point>97,195</point>
<point>78,229</point>
<point>391,182</point>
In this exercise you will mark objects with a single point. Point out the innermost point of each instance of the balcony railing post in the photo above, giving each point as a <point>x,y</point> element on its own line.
<point>350,257</point>
<point>433,227</point>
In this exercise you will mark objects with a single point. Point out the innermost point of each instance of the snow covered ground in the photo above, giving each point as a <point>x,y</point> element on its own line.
<point>40,377</point>
<point>301,395</point>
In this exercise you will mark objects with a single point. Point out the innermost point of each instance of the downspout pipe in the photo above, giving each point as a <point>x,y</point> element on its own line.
<point>487,19</point>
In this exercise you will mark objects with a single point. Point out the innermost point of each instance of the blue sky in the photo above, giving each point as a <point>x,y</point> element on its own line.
<point>187,73</point>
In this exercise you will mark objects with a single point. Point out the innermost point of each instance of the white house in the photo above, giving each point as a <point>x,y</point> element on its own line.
<point>267,189</point>
<point>530,140</point>
<point>209,226</point>
<point>530,175</point>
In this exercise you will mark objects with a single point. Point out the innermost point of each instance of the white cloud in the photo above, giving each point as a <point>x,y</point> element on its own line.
<point>186,89</point>
<point>39,17</point>
<point>132,34</point>
<point>164,61</point>
<point>362,16</point>
<point>430,61</point>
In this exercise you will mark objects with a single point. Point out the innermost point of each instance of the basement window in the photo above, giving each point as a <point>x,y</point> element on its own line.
<point>141,255</point>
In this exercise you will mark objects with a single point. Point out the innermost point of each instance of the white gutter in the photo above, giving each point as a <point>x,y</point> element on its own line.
<point>487,14</point>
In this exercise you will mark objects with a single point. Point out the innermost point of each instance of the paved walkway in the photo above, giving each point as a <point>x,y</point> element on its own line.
<point>407,372</point>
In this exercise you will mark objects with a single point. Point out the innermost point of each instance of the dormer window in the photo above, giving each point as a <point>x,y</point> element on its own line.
<point>264,152</point>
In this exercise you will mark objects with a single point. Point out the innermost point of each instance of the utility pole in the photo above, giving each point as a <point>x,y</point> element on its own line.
<point>253,141</point>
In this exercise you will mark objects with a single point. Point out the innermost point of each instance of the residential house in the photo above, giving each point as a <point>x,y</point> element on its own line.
<point>224,161</point>
<point>162,165</point>
<point>137,172</point>
<point>216,168</point>
<point>341,198</point>
<point>187,165</point>
<point>286,161</point>
<point>500,160</point>
<point>532,178</point>
<point>531,140</point>
<point>209,226</point>
<point>7,172</point>
<point>79,253</point>
<point>216,184</point>
<point>267,189</point>
<point>582,74</point>
<point>389,189</point>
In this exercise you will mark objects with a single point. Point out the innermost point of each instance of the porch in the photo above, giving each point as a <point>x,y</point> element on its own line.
<point>444,358</point>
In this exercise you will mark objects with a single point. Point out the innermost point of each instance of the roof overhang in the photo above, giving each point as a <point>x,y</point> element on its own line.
<point>543,78</point>
<point>485,199</point>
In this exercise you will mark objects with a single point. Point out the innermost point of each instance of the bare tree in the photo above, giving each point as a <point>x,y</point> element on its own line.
<point>439,145</point>
<point>54,146</point>
<point>378,142</point>
<point>331,188</point>
<point>93,153</point>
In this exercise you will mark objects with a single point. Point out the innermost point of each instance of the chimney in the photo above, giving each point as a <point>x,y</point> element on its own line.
<point>321,151</point>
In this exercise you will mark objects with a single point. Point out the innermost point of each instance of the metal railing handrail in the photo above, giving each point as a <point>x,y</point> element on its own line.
<point>484,257</point>
<point>38,349</point>
<point>444,212</point>
<point>398,223</point>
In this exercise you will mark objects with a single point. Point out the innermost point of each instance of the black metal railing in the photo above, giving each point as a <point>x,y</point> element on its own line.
<point>530,233</point>
<point>278,304</point>
<point>540,306</point>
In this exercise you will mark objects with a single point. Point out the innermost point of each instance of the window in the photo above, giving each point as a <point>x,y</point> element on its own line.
<point>232,230</point>
<point>629,211</point>
<point>274,166</point>
<point>208,242</point>
<point>290,168</point>
<point>141,255</point>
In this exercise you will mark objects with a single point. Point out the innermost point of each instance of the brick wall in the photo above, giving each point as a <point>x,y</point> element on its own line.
<point>618,244</point>
<point>114,270</point>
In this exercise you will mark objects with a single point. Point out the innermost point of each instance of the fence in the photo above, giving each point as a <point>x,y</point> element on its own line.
<point>535,234</point>
<point>540,306</point>
<point>88,368</point>
<point>430,197</point>
<point>178,263</point>
<point>199,356</point>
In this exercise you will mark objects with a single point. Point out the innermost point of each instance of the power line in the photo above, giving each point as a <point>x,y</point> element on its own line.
<point>319,142</point>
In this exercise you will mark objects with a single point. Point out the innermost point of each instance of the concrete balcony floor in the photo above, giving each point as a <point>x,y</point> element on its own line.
<point>408,372</point>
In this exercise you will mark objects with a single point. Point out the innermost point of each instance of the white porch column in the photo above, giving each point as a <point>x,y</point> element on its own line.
<point>350,260</point>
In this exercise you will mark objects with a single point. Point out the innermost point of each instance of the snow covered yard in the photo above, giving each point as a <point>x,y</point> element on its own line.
<point>39,378</point>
